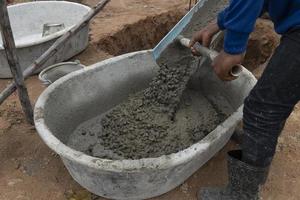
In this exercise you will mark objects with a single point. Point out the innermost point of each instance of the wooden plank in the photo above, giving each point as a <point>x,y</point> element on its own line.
<point>53,49</point>
<point>13,61</point>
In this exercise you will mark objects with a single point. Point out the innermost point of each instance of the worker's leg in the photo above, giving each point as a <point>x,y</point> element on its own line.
<point>271,101</point>
<point>268,106</point>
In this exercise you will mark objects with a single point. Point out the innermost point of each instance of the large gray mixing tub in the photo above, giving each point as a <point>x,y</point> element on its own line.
<point>27,21</point>
<point>87,93</point>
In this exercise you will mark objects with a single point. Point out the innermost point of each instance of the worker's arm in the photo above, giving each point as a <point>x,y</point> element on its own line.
<point>238,21</point>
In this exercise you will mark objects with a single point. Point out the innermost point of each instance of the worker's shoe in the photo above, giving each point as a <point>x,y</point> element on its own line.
<point>244,181</point>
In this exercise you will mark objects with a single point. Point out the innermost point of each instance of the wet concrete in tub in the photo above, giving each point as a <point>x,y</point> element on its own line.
<point>136,129</point>
<point>164,118</point>
<point>144,126</point>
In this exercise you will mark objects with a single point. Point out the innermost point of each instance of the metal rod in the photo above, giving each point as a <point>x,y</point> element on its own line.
<point>211,54</point>
<point>13,61</point>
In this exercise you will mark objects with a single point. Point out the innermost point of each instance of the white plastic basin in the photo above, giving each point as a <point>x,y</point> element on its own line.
<point>27,21</point>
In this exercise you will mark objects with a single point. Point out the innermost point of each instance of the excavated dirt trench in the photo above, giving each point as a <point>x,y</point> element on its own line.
<point>144,34</point>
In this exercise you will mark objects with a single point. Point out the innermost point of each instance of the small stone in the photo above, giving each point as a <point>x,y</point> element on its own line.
<point>14,181</point>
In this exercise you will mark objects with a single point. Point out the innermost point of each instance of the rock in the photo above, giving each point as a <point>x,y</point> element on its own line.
<point>14,181</point>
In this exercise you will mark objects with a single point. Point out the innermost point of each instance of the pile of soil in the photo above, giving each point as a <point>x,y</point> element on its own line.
<point>261,45</point>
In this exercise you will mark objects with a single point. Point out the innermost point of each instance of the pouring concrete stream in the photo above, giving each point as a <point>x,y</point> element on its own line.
<point>85,94</point>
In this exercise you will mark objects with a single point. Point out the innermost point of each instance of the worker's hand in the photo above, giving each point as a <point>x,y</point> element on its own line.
<point>204,36</point>
<point>223,64</point>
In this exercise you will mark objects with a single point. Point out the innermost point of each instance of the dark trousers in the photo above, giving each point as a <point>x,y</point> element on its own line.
<point>271,102</point>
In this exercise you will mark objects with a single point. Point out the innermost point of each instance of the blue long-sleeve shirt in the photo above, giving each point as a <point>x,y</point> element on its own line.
<point>239,19</point>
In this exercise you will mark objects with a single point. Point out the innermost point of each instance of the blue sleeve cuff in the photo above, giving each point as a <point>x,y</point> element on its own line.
<point>235,42</point>
<point>220,20</point>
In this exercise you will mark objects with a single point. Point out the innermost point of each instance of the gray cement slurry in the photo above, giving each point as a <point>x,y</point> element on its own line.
<point>164,118</point>
<point>134,130</point>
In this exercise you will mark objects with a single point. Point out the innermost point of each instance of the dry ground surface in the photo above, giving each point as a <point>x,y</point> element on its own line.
<point>30,171</point>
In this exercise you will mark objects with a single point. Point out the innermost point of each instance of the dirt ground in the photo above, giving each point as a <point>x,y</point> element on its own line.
<point>29,170</point>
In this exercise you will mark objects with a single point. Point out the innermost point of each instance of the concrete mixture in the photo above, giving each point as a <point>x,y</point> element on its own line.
<point>153,122</point>
<point>164,118</point>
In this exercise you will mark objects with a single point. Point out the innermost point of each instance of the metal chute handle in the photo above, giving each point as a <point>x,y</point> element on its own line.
<point>211,54</point>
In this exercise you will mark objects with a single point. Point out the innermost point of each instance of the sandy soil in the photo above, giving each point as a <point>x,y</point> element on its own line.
<point>29,170</point>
